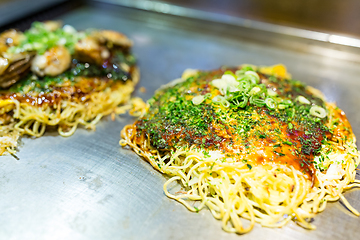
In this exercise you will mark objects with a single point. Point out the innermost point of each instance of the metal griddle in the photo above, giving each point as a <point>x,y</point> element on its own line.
<point>87,187</point>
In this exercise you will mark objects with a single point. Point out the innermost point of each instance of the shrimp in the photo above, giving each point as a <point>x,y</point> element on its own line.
<point>53,62</point>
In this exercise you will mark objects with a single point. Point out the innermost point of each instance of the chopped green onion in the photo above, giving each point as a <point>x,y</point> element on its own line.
<point>208,95</point>
<point>225,103</point>
<point>230,73</point>
<point>221,85</point>
<point>270,103</point>
<point>220,99</point>
<point>254,90</point>
<point>226,83</point>
<point>302,100</point>
<point>212,166</point>
<point>246,68</point>
<point>231,83</point>
<point>228,78</point>
<point>39,38</point>
<point>257,101</point>
<point>240,101</point>
<point>287,102</point>
<point>281,106</point>
<point>217,99</point>
<point>244,85</point>
<point>271,93</point>
<point>254,77</point>
<point>317,111</point>
<point>239,73</point>
<point>198,99</point>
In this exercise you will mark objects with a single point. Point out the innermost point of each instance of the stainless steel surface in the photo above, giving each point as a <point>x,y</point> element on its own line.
<point>320,15</point>
<point>321,43</point>
<point>166,8</point>
<point>88,187</point>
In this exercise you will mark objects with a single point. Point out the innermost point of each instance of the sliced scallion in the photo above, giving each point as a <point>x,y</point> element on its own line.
<point>271,92</point>
<point>198,99</point>
<point>282,106</point>
<point>270,103</point>
<point>254,77</point>
<point>317,111</point>
<point>225,103</point>
<point>220,84</point>
<point>302,100</point>
<point>254,90</point>
<point>287,102</point>
<point>221,100</point>
<point>230,73</point>
<point>217,99</point>
<point>240,101</point>
<point>208,95</point>
<point>257,101</point>
<point>244,85</point>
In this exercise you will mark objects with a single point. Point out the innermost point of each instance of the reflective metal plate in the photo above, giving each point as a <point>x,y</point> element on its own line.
<point>88,187</point>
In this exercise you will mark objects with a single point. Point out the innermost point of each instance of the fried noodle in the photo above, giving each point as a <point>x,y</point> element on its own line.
<point>271,194</point>
<point>66,115</point>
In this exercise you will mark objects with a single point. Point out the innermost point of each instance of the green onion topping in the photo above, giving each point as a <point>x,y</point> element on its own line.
<point>317,111</point>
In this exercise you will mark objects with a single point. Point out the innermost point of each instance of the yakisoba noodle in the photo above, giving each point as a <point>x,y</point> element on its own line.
<point>61,78</point>
<point>67,114</point>
<point>253,171</point>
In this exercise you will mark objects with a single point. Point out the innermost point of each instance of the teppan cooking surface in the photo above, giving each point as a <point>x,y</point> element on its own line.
<point>87,187</point>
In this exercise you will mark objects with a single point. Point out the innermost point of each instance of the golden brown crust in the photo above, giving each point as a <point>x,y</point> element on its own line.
<point>60,89</point>
<point>270,191</point>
